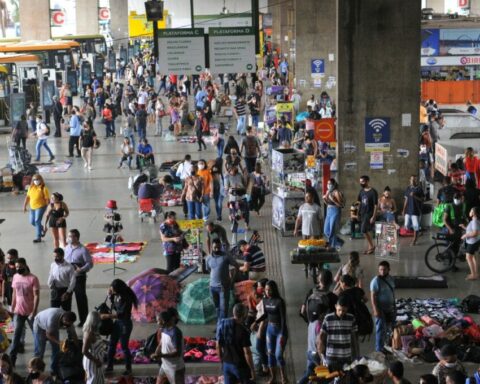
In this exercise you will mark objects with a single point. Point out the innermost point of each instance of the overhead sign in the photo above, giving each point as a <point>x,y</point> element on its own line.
<point>430,42</point>
<point>232,50</point>
<point>181,51</point>
<point>377,134</point>
<point>222,21</point>
<point>441,159</point>
<point>318,67</point>
<point>57,17</point>
<point>438,61</point>
<point>104,13</point>
<point>139,26</point>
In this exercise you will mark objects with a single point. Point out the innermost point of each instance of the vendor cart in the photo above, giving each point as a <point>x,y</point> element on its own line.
<point>193,255</point>
<point>314,259</point>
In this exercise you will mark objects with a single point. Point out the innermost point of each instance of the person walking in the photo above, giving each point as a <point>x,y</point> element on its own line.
<point>277,331</point>
<point>93,349</point>
<point>172,240</point>
<point>472,238</point>
<point>37,199</point>
<point>334,201</point>
<point>207,178</point>
<point>75,130</point>
<point>55,218</point>
<point>47,326</point>
<point>338,341</point>
<point>141,121</point>
<point>88,141</point>
<point>170,349</point>
<point>240,111</point>
<point>198,128</point>
<point>42,131</point>
<point>107,119</point>
<point>251,148</point>
<point>412,206</point>
<point>192,193</point>
<point>382,294</point>
<point>217,263</point>
<point>218,189</point>
<point>25,299</point>
<point>233,348</point>
<point>310,218</point>
<point>368,200</point>
<point>57,116</point>
<point>61,281</point>
<point>20,132</point>
<point>122,299</point>
<point>259,189</point>
<point>79,256</point>
<point>159,115</point>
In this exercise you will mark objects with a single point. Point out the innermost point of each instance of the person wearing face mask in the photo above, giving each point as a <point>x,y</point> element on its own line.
<point>7,373</point>
<point>236,186</point>
<point>412,207</point>
<point>79,256</point>
<point>192,193</point>
<point>449,363</point>
<point>454,220</point>
<point>36,372</point>
<point>233,160</point>
<point>334,201</point>
<point>37,198</point>
<point>172,241</point>
<point>61,281</point>
<point>8,273</point>
<point>368,200</point>
<point>207,178</point>
<point>472,239</point>
<point>88,141</point>
<point>55,218</point>
<point>42,132</point>
<point>199,125</point>
<point>25,298</point>
<point>218,190</point>
<point>93,349</point>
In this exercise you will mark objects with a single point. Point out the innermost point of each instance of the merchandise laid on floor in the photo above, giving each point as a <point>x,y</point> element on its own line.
<point>54,167</point>
<point>191,379</point>
<point>102,253</point>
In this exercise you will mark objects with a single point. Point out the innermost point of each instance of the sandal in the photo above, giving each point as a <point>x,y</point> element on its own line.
<point>369,251</point>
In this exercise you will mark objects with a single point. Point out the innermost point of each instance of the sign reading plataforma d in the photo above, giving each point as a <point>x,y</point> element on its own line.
<point>232,50</point>
<point>181,51</point>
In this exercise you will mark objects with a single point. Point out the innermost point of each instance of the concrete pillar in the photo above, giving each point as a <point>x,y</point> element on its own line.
<point>35,20</point>
<point>437,5</point>
<point>316,38</point>
<point>87,17</point>
<point>474,7</point>
<point>378,76</point>
<point>119,22</point>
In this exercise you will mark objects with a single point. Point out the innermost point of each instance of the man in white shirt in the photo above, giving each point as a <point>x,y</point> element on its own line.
<point>42,133</point>
<point>61,281</point>
<point>184,170</point>
<point>142,97</point>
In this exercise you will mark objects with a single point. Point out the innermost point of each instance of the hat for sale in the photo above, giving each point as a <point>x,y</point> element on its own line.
<point>111,204</point>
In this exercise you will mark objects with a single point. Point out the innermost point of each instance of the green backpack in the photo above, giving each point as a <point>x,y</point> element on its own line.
<point>437,217</point>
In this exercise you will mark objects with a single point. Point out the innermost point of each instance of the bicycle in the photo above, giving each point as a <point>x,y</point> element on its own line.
<point>441,256</point>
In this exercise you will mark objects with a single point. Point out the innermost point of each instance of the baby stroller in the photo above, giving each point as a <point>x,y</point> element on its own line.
<point>148,209</point>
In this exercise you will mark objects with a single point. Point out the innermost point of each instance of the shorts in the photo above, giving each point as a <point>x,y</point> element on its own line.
<point>472,248</point>
<point>365,225</point>
<point>174,377</point>
<point>412,221</point>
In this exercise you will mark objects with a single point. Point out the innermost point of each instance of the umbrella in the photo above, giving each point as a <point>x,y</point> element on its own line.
<point>196,304</point>
<point>302,116</point>
<point>243,290</point>
<point>155,293</point>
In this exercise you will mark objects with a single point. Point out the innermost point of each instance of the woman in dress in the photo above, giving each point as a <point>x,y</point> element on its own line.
<point>93,349</point>
<point>55,218</point>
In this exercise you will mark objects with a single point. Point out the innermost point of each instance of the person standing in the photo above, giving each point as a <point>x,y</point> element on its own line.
<point>412,206</point>
<point>368,199</point>
<point>141,121</point>
<point>107,119</point>
<point>20,132</point>
<point>57,116</point>
<point>42,132</point>
<point>217,263</point>
<point>55,218</point>
<point>47,326</point>
<point>172,240</point>
<point>218,189</point>
<point>310,218</point>
<point>472,238</point>
<point>79,256</point>
<point>233,348</point>
<point>198,128</point>
<point>251,148</point>
<point>170,350</point>
<point>25,298</point>
<point>61,281</point>
<point>207,178</point>
<point>37,198</point>
<point>88,141</point>
<point>254,106</point>
<point>382,295</point>
<point>93,349</point>
<point>123,299</point>
<point>259,189</point>
<point>334,201</point>
<point>159,115</point>
<point>192,193</point>
<point>216,231</point>
<point>75,131</point>
<point>338,341</point>
<point>240,111</point>
<point>8,272</point>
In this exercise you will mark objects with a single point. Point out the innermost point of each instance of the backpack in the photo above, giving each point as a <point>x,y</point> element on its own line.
<point>363,318</point>
<point>106,326</point>
<point>250,146</point>
<point>47,132</point>
<point>317,302</point>
<point>437,217</point>
<point>471,304</point>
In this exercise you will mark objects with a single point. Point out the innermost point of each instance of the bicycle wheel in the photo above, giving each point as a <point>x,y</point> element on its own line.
<point>440,258</point>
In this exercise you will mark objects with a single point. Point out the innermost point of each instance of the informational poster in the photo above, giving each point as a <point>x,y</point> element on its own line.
<point>377,134</point>
<point>99,67</point>
<point>86,72</point>
<point>232,50</point>
<point>441,159</point>
<point>376,160</point>
<point>72,80</point>
<point>181,51</point>
<point>430,42</point>
<point>17,107</point>
<point>48,91</point>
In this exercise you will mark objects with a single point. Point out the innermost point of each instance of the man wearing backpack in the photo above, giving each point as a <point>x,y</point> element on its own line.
<point>42,132</point>
<point>252,149</point>
<point>454,218</point>
<point>382,295</point>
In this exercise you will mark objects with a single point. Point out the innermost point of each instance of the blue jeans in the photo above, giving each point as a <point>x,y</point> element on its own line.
<point>220,147</point>
<point>274,346</point>
<point>19,321</point>
<point>218,205</point>
<point>40,342</point>
<point>312,362</point>
<point>383,328</point>
<point>220,298</point>
<point>206,207</point>
<point>42,143</point>
<point>109,130</point>
<point>241,124</point>
<point>255,120</point>
<point>233,375</point>
<point>194,210</point>
<point>331,225</point>
<point>121,331</point>
<point>259,349</point>
<point>142,131</point>
<point>36,216</point>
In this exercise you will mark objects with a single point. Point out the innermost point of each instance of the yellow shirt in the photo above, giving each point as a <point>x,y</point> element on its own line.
<point>206,175</point>
<point>423,115</point>
<point>39,196</point>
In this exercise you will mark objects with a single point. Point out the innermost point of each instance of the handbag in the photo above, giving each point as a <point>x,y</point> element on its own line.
<point>106,325</point>
<point>151,344</point>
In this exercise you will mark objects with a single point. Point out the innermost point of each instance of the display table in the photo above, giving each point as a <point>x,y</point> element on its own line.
<point>314,260</point>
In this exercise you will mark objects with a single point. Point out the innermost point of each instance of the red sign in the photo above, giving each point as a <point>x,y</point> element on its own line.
<point>324,129</point>
<point>104,13</point>
<point>464,3</point>
<point>57,17</point>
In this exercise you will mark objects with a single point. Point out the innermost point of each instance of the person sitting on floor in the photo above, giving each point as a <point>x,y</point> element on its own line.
<point>144,154</point>
<point>449,363</point>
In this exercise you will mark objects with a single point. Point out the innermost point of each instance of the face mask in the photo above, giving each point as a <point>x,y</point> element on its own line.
<point>330,187</point>
<point>450,365</point>
<point>36,182</point>
<point>58,260</point>
<point>363,185</point>
<point>21,271</point>
<point>201,166</point>
<point>11,262</point>
<point>34,375</point>
<point>69,240</point>
<point>457,201</point>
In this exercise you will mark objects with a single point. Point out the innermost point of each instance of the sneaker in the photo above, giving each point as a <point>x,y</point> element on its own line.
<point>37,240</point>
<point>21,348</point>
<point>90,168</point>
<point>70,156</point>
<point>85,165</point>
<point>52,158</point>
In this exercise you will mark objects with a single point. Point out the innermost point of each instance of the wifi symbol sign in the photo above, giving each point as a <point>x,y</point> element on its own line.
<point>378,124</point>
<point>318,66</point>
<point>377,133</point>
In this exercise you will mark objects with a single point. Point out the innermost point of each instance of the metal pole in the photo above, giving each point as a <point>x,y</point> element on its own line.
<point>155,38</point>
<point>255,21</point>
<point>192,14</point>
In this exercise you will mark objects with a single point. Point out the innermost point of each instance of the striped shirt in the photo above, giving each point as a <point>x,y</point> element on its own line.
<point>241,109</point>
<point>255,257</point>
<point>339,333</point>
